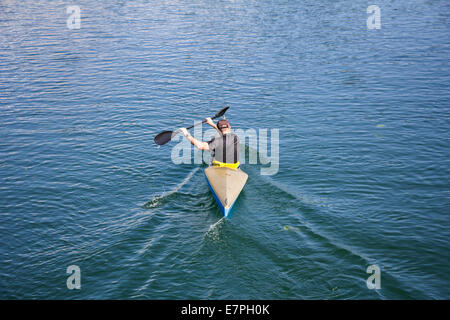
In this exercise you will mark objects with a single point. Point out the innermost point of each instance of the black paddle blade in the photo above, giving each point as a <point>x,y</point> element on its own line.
<point>221,112</point>
<point>164,137</point>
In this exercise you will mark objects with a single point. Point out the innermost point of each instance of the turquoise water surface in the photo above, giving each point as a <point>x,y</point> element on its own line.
<point>364,162</point>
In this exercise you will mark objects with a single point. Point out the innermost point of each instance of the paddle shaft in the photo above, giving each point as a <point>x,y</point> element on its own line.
<point>204,121</point>
<point>166,136</point>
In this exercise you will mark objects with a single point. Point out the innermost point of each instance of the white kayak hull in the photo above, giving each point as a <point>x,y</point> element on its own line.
<point>225,184</point>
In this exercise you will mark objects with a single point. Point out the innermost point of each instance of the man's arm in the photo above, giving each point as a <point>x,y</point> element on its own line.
<point>212,124</point>
<point>198,144</point>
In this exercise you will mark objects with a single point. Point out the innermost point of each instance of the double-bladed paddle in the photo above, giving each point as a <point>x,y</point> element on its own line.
<point>166,136</point>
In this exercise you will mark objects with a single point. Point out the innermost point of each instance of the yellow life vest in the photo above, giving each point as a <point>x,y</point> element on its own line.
<point>233,166</point>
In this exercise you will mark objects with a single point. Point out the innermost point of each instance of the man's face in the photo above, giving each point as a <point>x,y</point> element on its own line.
<point>225,130</point>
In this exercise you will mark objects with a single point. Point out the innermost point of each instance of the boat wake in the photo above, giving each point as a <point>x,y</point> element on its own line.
<point>160,199</point>
<point>214,229</point>
<point>214,225</point>
<point>302,197</point>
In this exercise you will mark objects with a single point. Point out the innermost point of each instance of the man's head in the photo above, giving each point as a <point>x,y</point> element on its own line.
<point>224,126</point>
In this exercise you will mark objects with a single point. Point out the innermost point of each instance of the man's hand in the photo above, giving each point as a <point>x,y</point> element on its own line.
<point>212,124</point>
<point>184,131</point>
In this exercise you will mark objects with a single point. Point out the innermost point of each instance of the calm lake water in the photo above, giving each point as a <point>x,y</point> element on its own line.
<point>364,149</point>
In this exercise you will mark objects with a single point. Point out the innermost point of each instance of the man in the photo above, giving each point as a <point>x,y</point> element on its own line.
<point>224,148</point>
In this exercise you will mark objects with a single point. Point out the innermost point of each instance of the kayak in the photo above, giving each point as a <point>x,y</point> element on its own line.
<point>225,184</point>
